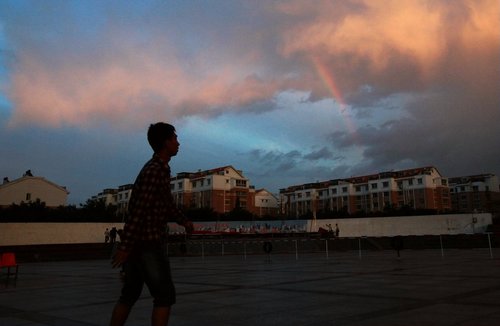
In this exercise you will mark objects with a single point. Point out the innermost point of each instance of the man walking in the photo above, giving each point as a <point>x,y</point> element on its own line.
<point>141,251</point>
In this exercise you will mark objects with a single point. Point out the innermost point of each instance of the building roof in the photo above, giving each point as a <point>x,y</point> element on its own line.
<point>471,178</point>
<point>26,178</point>
<point>364,178</point>
<point>201,174</point>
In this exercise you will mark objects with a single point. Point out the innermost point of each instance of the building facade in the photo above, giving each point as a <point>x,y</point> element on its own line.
<point>29,189</point>
<point>420,188</point>
<point>221,189</point>
<point>474,193</point>
<point>266,203</point>
<point>118,197</point>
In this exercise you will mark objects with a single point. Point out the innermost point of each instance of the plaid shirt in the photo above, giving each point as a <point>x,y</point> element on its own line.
<point>151,206</point>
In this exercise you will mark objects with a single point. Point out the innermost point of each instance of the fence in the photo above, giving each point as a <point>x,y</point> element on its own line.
<point>299,244</point>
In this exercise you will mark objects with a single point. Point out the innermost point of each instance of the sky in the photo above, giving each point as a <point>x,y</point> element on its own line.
<point>289,92</point>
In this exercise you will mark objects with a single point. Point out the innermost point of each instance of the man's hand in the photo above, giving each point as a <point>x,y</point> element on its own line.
<point>119,258</point>
<point>188,225</point>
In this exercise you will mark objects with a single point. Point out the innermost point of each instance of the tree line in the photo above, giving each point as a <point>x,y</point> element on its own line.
<point>95,210</point>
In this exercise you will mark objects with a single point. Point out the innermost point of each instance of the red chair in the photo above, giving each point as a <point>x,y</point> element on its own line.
<point>8,261</point>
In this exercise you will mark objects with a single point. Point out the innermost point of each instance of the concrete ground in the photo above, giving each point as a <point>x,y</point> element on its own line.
<point>422,287</point>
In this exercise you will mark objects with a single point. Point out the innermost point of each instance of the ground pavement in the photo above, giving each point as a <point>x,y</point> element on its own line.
<point>422,287</point>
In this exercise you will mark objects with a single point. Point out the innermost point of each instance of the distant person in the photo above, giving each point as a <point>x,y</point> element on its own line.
<point>120,234</point>
<point>337,230</point>
<point>397,244</point>
<point>106,235</point>
<point>112,234</point>
<point>142,249</point>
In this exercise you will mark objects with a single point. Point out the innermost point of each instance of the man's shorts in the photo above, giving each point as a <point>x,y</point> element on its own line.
<point>150,266</point>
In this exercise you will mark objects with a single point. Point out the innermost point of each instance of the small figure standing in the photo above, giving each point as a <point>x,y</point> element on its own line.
<point>397,244</point>
<point>112,234</point>
<point>106,235</point>
<point>337,230</point>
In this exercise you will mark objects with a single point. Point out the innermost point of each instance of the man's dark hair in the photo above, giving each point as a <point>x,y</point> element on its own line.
<point>158,133</point>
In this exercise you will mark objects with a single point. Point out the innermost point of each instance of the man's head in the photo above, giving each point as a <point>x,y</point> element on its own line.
<point>163,139</point>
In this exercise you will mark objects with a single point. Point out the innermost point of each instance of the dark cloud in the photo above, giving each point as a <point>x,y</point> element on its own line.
<point>323,153</point>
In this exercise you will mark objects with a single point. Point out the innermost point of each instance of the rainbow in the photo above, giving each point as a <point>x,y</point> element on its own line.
<point>329,81</point>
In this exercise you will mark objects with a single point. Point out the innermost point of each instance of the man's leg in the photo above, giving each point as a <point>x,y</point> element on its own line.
<point>160,316</point>
<point>131,291</point>
<point>157,276</point>
<point>120,314</point>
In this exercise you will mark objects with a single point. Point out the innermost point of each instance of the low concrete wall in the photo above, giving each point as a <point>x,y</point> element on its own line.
<point>410,225</point>
<point>12,234</point>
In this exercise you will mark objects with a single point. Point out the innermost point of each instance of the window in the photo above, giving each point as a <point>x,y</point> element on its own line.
<point>308,194</point>
<point>385,184</point>
<point>28,196</point>
<point>420,181</point>
<point>410,182</point>
<point>374,186</point>
<point>241,183</point>
<point>344,189</point>
<point>358,188</point>
<point>208,182</point>
<point>179,185</point>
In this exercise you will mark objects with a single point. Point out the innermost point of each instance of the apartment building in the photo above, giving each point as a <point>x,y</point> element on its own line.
<point>222,189</point>
<point>419,188</point>
<point>474,193</point>
<point>108,196</point>
<point>118,197</point>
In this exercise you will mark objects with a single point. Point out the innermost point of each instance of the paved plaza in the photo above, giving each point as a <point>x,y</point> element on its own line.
<point>422,287</point>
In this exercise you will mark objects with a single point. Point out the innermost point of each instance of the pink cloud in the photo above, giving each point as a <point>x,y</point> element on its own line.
<point>395,45</point>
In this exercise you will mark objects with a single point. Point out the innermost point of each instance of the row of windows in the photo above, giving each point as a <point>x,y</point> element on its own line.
<point>207,182</point>
<point>466,189</point>
<point>359,188</point>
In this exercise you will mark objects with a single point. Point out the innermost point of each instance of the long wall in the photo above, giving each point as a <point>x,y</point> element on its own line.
<point>65,233</point>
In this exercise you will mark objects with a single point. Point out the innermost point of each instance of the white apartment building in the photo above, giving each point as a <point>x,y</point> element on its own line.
<point>474,193</point>
<point>420,188</point>
<point>221,189</point>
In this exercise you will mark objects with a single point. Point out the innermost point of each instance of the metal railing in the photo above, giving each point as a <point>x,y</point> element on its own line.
<point>295,244</point>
